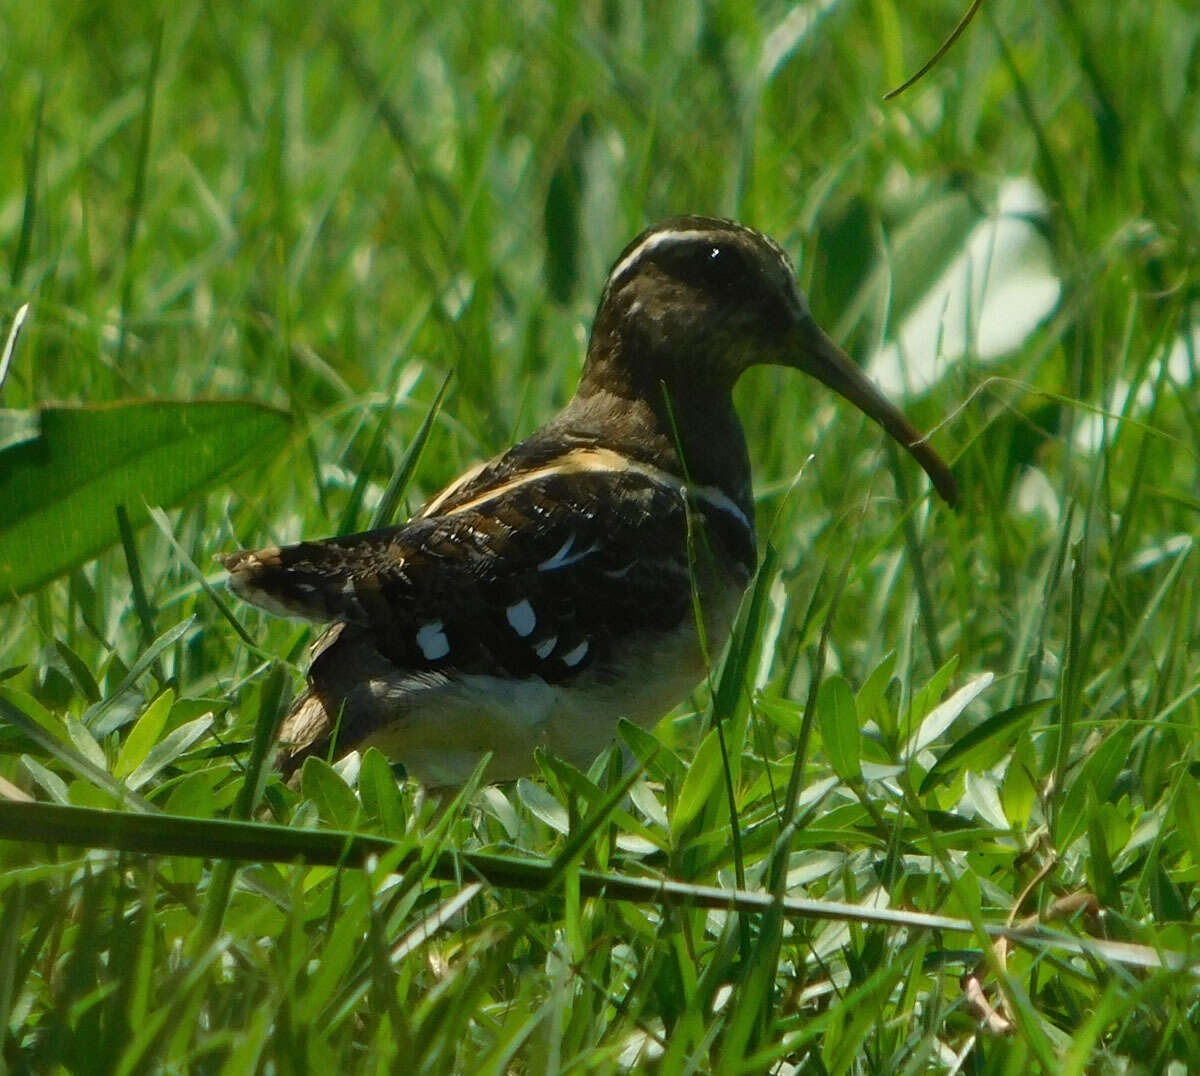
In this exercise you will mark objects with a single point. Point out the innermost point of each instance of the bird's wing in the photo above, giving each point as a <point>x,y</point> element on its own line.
<point>535,575</point>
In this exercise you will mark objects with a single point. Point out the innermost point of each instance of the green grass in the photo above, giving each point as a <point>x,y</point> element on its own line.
<point>970,715</point>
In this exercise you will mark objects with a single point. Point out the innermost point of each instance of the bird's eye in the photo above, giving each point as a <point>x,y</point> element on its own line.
<point>721,268</point>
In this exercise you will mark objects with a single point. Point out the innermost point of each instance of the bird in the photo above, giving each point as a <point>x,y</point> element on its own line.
<point>588,573</point>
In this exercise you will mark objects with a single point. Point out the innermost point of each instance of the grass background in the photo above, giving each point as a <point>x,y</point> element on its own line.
<point>326,209</point>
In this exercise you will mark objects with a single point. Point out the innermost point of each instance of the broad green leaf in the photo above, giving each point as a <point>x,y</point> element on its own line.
<point>335,801</point>
<point>336,956</point>
<point>195,795</point>
<point>144,734</point>
<point>699,784</point>
<point>839,726</point>
<point>169,749</point>
<point>543,805</point>
<point>32,709</point>
<point>924,700</point>
<point>60,491</point>
<point>26,715</point>
<point>871,700</point>
<point>996,734</point>
<point>785,713</point>
<point>1096,778</point>
<point>570,778</point>
<point>980,791</point>
<point>661,763</point>
<point>598,813</point>
<point>84,741</point>
<point>942,716</point>
<point>647,802</point>
<point>380,794</point>
<point>1017,793</point>
<point>54,786</point>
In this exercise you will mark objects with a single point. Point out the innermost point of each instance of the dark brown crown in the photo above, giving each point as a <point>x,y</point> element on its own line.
<point>693,302</point>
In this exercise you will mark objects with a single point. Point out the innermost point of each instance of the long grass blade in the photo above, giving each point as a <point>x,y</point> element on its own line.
<point>159,834</point>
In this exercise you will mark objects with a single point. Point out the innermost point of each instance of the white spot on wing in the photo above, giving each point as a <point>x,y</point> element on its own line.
<point>521,617</point>
<point>573,657</point>
<point>564,557</point>
<point>546,647</point>
<point>431,638</point>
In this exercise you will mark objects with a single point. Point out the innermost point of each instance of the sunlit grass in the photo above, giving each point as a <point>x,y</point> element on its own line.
<point>977,714</point>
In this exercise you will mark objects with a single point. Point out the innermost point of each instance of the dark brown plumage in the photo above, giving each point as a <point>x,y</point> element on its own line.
<point>549,592</point>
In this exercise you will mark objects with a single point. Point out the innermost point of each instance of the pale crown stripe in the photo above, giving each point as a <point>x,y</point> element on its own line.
<point>652,242</point>
<point>683,235</point>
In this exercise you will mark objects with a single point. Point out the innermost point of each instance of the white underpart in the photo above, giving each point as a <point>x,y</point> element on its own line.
<point>546,647</point>
<point>431,638</point>
<point>564,557</point>
<point>521,617</point>
<point>440,727</point>
<point>573,657</point>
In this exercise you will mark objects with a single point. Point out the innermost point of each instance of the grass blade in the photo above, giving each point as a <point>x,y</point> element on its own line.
<point>408,464</point>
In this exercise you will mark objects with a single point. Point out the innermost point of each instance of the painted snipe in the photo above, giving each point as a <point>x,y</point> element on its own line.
<point>549,592</point>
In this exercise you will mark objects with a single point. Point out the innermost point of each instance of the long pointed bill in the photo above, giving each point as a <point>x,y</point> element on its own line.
<point>819,356</point>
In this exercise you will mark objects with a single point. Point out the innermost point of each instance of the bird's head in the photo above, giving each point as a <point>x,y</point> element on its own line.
<point>694,301</point>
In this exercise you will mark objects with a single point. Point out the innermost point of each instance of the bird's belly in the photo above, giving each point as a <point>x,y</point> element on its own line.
<point>441,737</point>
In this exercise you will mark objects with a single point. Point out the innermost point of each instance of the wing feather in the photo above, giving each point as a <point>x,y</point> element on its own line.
<point>538,581</point>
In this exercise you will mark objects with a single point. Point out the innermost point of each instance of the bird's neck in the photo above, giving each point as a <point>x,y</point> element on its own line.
<point>658,413</point>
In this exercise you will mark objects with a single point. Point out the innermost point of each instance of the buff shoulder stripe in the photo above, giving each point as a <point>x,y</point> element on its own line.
<point>576,462</point>
<point>594,460</point>
<point>460,483</point>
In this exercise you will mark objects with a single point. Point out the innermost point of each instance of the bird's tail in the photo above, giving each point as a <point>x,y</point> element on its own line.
<point>307,730</point>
